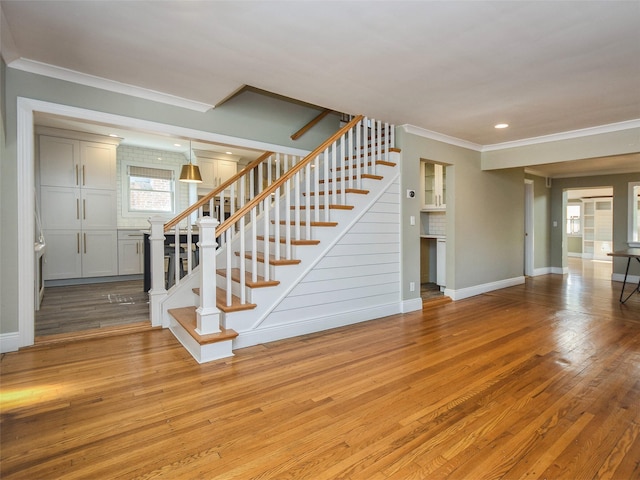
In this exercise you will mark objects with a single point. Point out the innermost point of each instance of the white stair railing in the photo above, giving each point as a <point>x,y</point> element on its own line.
<point>258,224</point>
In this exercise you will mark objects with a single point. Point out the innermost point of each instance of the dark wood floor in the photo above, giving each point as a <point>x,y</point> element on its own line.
<point>540,380</point>
<point>93,306</point>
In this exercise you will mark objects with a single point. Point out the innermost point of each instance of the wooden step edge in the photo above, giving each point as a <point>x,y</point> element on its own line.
<point>368,164</point>
<point>272,260</point>
<point>293,242</point>
<point>364,175</point>
<point>358,191</point>
<point>45,341</point>
<point>221,302</point>
<point>186,316</point>
<point>313,224</point>
<point>331,207</point>
<point>260,283</point>
<point>436,302</point>
<point>395,150</point>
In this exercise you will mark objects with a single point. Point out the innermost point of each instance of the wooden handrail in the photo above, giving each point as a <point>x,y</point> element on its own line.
<point>178,218</point>
<point>311,124</point>
<point>224,226</point>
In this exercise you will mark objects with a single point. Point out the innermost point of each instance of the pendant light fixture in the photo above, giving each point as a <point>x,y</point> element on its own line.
<point>190,173</point>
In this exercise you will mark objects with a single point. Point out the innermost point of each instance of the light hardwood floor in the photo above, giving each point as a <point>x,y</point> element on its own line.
<point>540,380</point>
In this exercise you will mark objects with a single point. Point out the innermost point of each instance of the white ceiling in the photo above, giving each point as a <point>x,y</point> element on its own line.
<point>456,67</point>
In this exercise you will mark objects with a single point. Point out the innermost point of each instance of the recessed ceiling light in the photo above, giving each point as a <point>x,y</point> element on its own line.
<point>502,125</point>
<point>177,145</point>
<point>113,135</point>
<point>229,153</point>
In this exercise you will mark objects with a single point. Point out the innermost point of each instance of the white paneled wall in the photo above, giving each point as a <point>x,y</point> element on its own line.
<point>361,271</point>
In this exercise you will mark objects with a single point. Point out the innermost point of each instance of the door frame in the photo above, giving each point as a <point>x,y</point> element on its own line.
<point>25,153</point>
<point>528,228</point>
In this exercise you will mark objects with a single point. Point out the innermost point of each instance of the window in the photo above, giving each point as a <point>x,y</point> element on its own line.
<point>573,219</point>
<point>150,190</point>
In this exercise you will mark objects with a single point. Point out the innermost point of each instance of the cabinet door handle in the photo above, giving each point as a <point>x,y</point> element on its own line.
<point>78,242</point>
<point>137,248</point>
<point>78,210</point>
<point>85,243</point>
<point>84,208</point>
<point>76,174</point>
<point>83,175</point>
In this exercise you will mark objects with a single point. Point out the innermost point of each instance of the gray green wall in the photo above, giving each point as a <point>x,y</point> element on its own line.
<point>485,215</point>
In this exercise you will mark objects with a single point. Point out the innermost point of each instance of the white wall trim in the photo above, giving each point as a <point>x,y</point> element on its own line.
<point>47,70</point>
<point>483,288</point>
<point>542,271</point>
<point>440,137</point>
<point>9,342</point>
<point>631,279</point>
<point>26,185</point>
<point>585,132</point>
<point>411,305</point>
<point>560,270</point>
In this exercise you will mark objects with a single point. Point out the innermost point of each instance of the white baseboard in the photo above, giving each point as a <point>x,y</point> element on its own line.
<point>560,270</point>
<point>9,342</point>
<point>480,289</point>
<point>631,279</point>
<point>411,305</point>
<point>574,254</point>
<point>249,338</point>
<point>542,271</point>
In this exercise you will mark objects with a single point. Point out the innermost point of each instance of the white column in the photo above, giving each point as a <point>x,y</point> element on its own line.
<point>208,313</point>
<point>158,292</point>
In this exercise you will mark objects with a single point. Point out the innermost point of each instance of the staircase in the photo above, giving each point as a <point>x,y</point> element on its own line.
<point>317,248</point>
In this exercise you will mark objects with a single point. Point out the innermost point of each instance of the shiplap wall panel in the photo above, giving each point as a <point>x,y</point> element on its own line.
<point>340,284</point>
<point>384,296</point>
<point>361,271</point>
<point>346,271</point>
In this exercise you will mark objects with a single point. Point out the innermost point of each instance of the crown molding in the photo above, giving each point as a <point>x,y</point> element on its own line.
<point>440,137</point>
<point>32,66</point>
<point>554,137</point>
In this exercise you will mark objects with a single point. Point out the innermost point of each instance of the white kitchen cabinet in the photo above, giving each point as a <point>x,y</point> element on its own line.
<point>76,254</point>
<point>78,207</point>
<point>67,162</point>
<point>433,179</point>
<point>214,172</point>
<point>130,252</point>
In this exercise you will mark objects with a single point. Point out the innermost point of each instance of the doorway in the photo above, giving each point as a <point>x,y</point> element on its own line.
<point>588,230</point>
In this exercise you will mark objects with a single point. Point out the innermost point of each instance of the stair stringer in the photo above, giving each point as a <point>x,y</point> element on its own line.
<point>270,321</point>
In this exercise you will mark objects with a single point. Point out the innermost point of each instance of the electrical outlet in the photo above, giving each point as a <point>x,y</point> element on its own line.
<point>412,286</point>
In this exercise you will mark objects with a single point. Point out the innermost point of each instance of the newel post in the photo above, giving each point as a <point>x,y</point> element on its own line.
<point>158,290</point>
<point>207,313</point>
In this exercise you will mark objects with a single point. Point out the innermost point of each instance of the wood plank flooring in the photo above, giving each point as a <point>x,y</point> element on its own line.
<point>76,308</point>
<point>540,380</point>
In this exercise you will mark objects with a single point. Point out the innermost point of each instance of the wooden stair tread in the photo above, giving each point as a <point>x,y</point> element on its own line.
<point>235,276</point>
<point>339,192</point>
<point>293,242</point>
<point>187,317</point>
<point>331,207</point>
<point>313,224</point>
<point>221,302</point>
<point>354,177</point>
<point>436,301</point>
<point>369,164</point>
<point>272,259</point>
